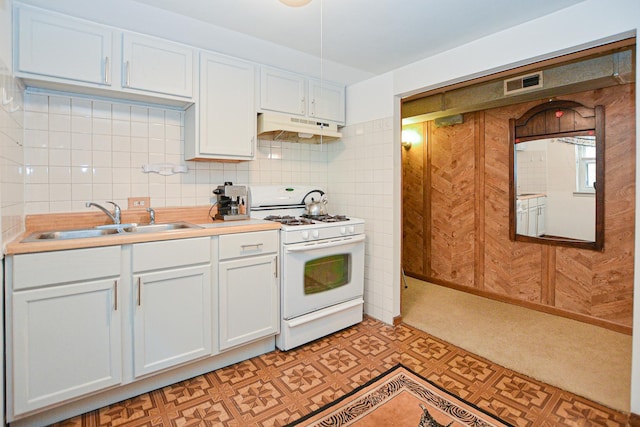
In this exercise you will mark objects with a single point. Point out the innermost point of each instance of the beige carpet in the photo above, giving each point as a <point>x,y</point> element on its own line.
<point>587,360</point>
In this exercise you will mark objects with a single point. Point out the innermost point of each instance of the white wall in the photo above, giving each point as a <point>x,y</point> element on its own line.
<point>584,25</point>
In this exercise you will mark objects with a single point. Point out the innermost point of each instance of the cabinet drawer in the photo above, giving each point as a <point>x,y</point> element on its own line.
<point>48,268</point>
<point>248,244</point>
<point>171,253</point>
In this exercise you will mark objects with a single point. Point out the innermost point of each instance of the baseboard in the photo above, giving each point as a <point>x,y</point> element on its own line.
<point>634,420</point>
<point>397,320</point>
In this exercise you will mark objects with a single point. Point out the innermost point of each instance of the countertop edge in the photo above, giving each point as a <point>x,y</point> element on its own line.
<point>16,247</point>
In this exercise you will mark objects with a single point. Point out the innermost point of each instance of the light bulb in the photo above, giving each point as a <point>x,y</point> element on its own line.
<point>295,3</point>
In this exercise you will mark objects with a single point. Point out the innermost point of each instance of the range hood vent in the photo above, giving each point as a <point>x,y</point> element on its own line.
<point>283,127</point>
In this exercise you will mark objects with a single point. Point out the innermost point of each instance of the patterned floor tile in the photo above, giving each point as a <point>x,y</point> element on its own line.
<point>279,387</point>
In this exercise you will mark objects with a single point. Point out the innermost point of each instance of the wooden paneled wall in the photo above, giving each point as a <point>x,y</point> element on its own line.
<point>464,236</point>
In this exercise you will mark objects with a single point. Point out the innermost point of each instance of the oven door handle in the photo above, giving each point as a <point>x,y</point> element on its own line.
<point>306,247</point>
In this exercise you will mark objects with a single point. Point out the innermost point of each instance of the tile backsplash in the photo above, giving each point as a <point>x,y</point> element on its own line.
<point>11,155</point>
<point>80,149</point>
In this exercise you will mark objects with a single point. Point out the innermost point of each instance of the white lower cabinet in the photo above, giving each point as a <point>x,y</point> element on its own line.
<point>107,320</point>
<point>249,287</point>
<point>66,333</point>
<point>172,303</point>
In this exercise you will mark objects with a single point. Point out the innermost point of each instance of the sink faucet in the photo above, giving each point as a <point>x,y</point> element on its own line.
<point>152,215</point>
<point>115,217</point>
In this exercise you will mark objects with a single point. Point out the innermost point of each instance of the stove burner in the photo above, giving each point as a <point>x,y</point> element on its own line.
<point>327,218</point>
<point>288,220</point>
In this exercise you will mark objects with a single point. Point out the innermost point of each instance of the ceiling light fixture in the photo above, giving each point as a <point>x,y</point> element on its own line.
<point>295,3</point>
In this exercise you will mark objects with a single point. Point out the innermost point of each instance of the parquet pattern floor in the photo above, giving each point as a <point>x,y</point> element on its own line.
<point>280,387</point>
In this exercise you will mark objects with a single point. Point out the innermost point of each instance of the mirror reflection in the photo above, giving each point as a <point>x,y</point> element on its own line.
<point>555,188</point>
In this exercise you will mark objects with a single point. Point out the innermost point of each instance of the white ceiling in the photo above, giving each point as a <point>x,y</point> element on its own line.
<point>374,36</point>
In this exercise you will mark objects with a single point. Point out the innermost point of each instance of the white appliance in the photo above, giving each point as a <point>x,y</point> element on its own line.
<point>322,264</point>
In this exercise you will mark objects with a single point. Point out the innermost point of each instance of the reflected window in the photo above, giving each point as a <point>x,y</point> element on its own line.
<point>586,169</point>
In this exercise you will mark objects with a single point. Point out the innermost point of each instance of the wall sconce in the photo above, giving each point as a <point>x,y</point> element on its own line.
<point>410,137</point>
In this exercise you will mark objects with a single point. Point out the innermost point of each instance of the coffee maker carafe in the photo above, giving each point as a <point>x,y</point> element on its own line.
<point>233,202</point>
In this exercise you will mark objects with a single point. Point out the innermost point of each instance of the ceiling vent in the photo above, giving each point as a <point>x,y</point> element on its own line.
<point>525,83</point>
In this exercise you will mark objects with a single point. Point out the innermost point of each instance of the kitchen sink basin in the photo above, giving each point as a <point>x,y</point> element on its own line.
<point>155,228</point>
<point>107,230</point>
<point>70,234</point>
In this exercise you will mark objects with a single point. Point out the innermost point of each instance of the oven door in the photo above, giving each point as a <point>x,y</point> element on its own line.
<point>321,273</point>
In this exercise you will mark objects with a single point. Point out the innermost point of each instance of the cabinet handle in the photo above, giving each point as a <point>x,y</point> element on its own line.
<point>302,101</point>
<point>313,107</point>
<point>254,245</point>
<point>127,71</point>
<point>107,77</point>
<point>6,100</point>
<point>139,292</point>
<point>276,266</point>
<point>115,295</point>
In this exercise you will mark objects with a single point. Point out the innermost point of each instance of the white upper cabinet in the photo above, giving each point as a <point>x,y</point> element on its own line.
<point>291,93</point>
<point>222,125</point>
<point>326,101</point>
<point>61,52</point>
<point>283,92</point>
<point>156,65</point>
<point>60,47</point>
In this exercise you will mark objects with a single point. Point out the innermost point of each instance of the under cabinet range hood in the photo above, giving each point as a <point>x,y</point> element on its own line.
<point>284,127</point>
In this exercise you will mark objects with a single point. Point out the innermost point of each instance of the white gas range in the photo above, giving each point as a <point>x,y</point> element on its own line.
<point>322,264</point>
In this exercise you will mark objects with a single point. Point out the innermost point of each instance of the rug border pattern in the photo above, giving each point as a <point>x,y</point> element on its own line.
<point>370,401</point>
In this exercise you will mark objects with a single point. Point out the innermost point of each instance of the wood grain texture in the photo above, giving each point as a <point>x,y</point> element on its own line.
<point>413,258</point>
<point>452,201</point>
<point>593,286</point>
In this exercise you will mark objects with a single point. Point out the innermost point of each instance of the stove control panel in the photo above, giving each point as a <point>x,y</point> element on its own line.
<point>294,235</point>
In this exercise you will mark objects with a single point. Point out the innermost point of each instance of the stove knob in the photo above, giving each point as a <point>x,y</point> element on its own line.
<point>352,229</point>
<point>343,230</point>
<point>316,234</point>
<point>305,235</point>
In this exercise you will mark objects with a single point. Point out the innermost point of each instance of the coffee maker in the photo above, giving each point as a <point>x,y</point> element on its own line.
<point>233,202</point>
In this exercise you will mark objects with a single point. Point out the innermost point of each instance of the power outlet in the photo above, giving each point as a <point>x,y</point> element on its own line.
<point>139,202</point>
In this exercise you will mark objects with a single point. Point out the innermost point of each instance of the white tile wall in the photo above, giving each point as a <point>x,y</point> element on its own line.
<point>361,185</point>
<point>531,172</point>
<point>11,156</point>
<point>79,149</point>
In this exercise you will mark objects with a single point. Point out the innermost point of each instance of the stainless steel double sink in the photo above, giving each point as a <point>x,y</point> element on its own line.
<point>107,230</point>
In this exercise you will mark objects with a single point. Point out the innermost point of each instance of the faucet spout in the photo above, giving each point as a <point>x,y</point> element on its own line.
<point>152,215</point>
<point>115,216</point>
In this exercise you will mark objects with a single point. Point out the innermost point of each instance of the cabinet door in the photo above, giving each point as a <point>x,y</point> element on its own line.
<point>326,101</point>
<point>66,343</point>
<point>172,318</point>
<point>66,48</point>
<point>283,92</point>
<point>248,300</point>
<point>532,221</point>
<point>157,66</point>
<point>541,220</point>
<point>227,108</point>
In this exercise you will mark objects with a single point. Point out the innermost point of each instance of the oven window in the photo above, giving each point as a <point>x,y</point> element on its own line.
<point>326,273</point>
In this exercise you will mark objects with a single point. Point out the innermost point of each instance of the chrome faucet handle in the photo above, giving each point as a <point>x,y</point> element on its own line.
<point>152,215</point>
<point>117,213</point>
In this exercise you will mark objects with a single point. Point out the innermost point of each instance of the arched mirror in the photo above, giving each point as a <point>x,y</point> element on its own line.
<point>557,175</point>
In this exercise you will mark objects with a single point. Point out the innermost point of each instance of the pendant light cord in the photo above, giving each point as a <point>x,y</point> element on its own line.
<point>321,65</point>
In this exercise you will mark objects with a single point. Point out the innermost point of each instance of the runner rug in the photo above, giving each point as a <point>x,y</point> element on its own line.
<point>400,397</point>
